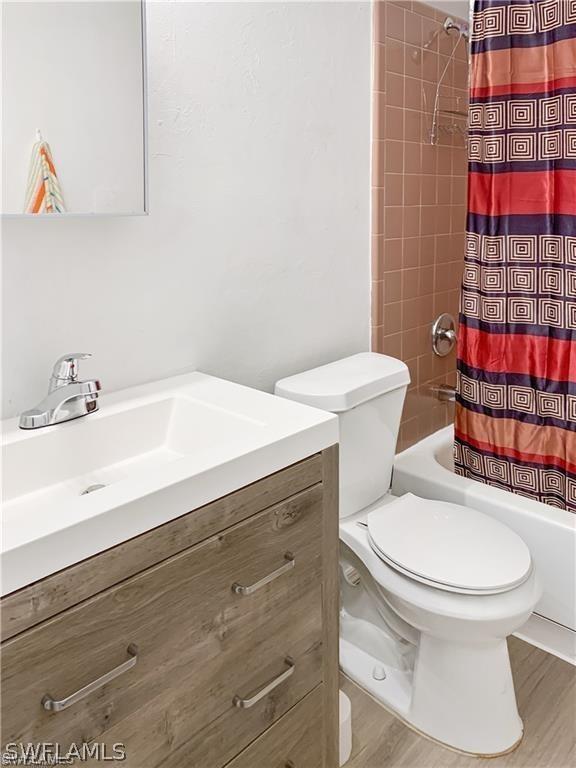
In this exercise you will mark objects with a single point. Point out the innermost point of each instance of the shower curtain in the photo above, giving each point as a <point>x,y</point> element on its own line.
<point>516,400</point>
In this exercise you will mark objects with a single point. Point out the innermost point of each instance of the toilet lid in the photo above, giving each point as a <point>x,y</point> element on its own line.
<point>448,546</point>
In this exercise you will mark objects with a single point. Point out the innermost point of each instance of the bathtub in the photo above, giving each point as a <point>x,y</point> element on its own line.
<point>427,469</point>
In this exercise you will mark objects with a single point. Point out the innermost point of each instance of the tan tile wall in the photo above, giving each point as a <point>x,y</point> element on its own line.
<point>419,200</point>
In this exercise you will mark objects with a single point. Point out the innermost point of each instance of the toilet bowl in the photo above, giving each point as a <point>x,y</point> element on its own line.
<point>446,665</point>
<point>429,590</point>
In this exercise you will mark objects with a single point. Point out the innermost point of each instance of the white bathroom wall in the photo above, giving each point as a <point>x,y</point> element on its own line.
<point>458,8</point>
<point>254,261</point>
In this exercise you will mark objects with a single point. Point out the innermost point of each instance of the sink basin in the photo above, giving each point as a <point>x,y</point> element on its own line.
<point>115,445</point>
<point>151,453</point>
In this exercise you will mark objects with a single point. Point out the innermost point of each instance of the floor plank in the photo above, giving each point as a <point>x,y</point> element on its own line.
<point>546,691</point>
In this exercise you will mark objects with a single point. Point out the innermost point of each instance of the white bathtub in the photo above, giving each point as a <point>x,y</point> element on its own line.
<point>427,469</point>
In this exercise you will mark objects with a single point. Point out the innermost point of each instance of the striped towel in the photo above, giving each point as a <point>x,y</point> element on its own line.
<point>43,193</point>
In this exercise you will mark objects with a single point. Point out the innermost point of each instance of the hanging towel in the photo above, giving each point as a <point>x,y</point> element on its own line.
<point>43,193</point>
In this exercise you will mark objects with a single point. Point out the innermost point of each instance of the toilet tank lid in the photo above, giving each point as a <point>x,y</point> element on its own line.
<point>346,383</point>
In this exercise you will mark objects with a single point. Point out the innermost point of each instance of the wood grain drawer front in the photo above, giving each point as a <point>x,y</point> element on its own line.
<point>198,646</point>
<point>295,740</point>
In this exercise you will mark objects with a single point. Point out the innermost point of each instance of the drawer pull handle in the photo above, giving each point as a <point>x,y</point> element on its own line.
<point>241,703</point>
<point>239,589</point>
<point>52,705</point>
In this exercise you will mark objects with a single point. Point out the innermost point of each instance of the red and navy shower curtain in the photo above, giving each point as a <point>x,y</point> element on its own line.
<point>516,401</point>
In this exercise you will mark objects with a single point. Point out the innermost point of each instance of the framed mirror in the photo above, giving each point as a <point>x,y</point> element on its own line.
<point>74,107</point>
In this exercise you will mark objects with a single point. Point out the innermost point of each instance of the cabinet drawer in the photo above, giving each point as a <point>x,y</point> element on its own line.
<point>198,645</point>
<point>295,740</point>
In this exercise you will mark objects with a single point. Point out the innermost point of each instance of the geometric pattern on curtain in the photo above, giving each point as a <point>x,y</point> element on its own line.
<point>515,424</point>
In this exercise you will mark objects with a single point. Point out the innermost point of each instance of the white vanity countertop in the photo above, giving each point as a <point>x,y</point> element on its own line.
<point>160,450</point>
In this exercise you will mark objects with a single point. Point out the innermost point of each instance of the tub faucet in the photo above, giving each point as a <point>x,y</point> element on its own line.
<point>443,392</point>
<point>67,397</point>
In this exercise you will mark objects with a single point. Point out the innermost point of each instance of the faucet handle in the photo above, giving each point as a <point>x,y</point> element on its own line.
<point>65,369</point>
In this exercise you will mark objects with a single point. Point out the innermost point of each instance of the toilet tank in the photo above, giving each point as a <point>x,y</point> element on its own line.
<point>367,392</point>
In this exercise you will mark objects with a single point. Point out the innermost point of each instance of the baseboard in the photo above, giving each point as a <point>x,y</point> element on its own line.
<point>550,637</point>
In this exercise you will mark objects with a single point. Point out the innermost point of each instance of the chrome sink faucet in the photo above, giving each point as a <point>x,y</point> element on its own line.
<point>67,397</point>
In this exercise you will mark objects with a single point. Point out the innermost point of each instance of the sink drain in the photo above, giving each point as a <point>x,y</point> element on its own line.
<point>92,488</point>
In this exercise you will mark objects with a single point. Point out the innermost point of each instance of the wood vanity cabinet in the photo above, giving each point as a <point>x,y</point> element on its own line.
<point>216,636</point>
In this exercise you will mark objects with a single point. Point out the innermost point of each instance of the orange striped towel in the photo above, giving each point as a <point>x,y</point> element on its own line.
<point>43,193</point>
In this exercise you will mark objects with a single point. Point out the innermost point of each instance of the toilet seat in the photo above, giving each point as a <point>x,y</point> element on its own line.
<point>448,546</point>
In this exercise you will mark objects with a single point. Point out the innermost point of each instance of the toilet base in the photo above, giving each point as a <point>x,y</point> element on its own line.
<point>425,735</point>
<point>449,696</point>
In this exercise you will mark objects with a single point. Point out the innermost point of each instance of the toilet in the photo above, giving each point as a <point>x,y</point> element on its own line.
<point>429,590</point>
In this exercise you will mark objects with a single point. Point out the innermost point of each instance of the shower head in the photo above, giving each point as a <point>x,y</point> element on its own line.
<point>462,29</point>
<point>449,26</point>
